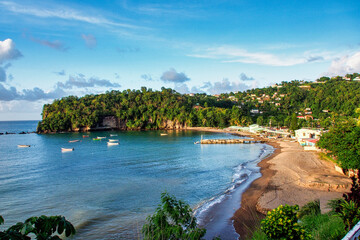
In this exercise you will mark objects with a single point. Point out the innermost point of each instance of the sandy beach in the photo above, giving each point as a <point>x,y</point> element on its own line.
<point>289,176</point>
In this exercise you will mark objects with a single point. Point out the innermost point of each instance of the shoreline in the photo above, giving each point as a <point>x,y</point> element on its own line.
<point>247,217</point>
<point>290,176</point>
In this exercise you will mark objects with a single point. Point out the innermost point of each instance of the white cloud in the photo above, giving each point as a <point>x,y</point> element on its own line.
<point>62,12</point>
<point>80,81</point>
<point>181,88</point>
<point>345,64</point>
<point>8,51</point>
<point>29,94</point>
<point>225,86</point>
<point>244,77</point>
<point>231,54</point>
<point>172,76</point>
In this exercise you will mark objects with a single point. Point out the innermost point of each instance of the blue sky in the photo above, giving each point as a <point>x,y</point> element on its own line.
<point>51,49</point>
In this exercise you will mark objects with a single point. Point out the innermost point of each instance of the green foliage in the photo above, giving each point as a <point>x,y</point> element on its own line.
<point>173,219</point>
<point>42,227</point>
<point>258,235</point>
<point>282,223</point>
<point>148,109</point>
<point>311,208</point>
<point>324,226</point>
<point>349,213</point>
<point>343,141</point>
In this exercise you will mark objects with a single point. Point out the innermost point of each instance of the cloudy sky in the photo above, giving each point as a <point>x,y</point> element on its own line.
<point>50,49</point>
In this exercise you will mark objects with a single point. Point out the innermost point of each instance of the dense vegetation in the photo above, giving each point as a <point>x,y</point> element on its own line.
<point>342,142</point>
<point>327,99</point>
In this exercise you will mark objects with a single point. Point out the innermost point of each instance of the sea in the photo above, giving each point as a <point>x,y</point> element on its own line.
<point>108,191</point>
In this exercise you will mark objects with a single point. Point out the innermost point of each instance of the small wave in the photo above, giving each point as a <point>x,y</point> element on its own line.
<point>241,174</point>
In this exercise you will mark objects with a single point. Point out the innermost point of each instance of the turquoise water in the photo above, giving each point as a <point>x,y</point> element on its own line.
<point>107,191</point>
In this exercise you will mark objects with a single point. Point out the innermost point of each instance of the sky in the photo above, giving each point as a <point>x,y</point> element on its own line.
<point>53,49</point>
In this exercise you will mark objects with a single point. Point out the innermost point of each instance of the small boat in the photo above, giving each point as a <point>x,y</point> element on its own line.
<point>112,143</point>
<point>113,140</point>
<point>163,134</point>
<point>85,136</point>
<point>67,149</point>
<point>97,139</point>
<point>197,142</point>
<point>72,141</point>
<point>23,146</point>
<point>113,135</point>
<point>101,137</point>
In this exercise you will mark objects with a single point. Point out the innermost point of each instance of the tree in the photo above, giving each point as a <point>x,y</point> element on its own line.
<point>173,219</point>
<point>343,141</point>
<point>294,122</point>
<point>42,227</point>
<point>260,120</point>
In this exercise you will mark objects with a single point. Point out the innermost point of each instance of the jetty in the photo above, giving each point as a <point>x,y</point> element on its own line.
<point>229,141</point>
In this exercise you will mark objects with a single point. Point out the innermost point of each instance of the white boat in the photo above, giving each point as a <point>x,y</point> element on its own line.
<point>163,134</point>
<point>67,149</point>
<point>72,141</point>
<point>23,146</point>
<point>112,143</point>
<point>113,140</point>
<point>101,137</point>
<point>113,135</point>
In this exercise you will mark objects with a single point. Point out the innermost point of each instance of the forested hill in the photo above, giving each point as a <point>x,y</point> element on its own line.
<point>309,104</point>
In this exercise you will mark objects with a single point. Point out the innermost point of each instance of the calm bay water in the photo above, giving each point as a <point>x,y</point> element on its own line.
<point>107,192</point>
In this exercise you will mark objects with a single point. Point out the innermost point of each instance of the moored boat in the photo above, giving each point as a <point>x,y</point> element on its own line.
<point>72,141</point>
<point>113,140</point>
<point>113,135</point>
<point>97,139</point>
<point>85,136</point>
<point>67,149</point>
<point>101,137</point>
<point>112,143</point>
<point>23,146</point>
<point>163,134</point>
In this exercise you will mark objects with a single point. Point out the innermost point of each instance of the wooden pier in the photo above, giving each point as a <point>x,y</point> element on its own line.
<point>229,141</point>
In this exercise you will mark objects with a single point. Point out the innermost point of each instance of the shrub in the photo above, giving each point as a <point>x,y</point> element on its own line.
<point>42,227</point>
<point>282,223</point>
<point>349,213</point>
<point>173,219</point>
<point>311,208</point>
<point>324,226</point>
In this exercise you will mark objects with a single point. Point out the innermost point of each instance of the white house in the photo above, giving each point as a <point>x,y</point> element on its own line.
<point>305,133</point>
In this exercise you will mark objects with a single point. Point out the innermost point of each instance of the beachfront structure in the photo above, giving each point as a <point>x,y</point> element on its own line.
<point>307,133</point>
<point>308,138</point>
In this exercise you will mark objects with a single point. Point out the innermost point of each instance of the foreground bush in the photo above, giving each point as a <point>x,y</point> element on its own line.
<point>42,227</point>
<point>324,226</point>
<point>173,219</point>
<point>282,223</point>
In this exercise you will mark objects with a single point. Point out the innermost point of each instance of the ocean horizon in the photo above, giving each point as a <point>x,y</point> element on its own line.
<point>108,191</point>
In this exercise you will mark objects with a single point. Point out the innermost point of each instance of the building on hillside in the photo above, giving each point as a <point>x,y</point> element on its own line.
<point>254,111</point>
<point>357,78</point>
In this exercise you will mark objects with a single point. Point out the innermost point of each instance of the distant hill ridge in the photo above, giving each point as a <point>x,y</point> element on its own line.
<point>311,103</point>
